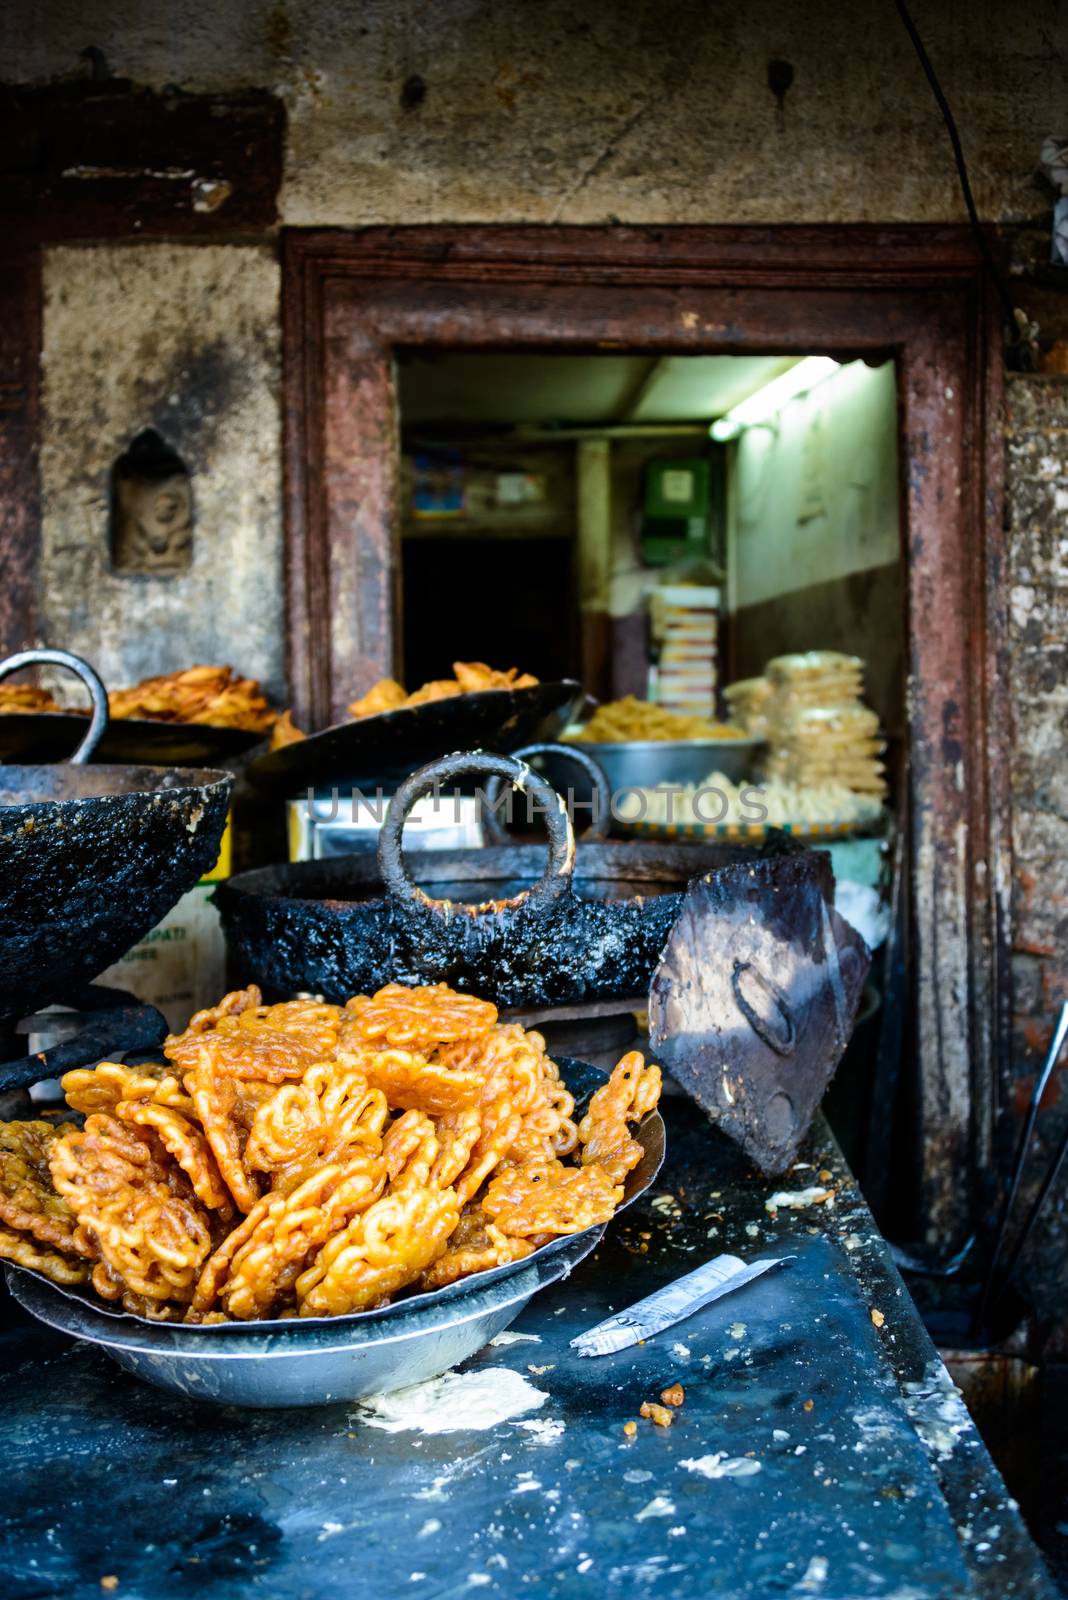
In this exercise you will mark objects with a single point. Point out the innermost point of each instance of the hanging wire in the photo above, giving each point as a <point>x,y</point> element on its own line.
<point>1011,314</point>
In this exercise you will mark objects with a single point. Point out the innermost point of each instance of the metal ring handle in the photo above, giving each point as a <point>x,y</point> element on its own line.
<point>556,880</point>
<point>98,695</point>
<point>597,831</point>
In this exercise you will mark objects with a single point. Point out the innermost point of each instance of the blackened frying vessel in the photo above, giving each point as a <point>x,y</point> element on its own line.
<point>91,857</point>
<point>591,928</point>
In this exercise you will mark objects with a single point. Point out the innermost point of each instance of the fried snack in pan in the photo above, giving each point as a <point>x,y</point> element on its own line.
<point>24,1251</point>
<point>409,1139</point>
<point>386,695</point>
<point>300,1123</point>
<point>380,1251</point>
<point>253,1271</point>
<point>545,1197</point>
<point>29,1204</point>
<point>215,696</point>
<point>501,1127</point>
<point>417,1018</point>
<point>631,1091</point>
<point>23,697</point>
<point>134,1206</point>
<point>475,677</point>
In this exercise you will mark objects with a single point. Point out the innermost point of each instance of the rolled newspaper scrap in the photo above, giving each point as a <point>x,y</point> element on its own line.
<point>679,1300</point>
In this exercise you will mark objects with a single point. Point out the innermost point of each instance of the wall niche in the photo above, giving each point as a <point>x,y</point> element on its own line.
<point>151,534</point>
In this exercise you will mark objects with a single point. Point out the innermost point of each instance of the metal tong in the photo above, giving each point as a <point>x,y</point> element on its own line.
<point>989,1295</point>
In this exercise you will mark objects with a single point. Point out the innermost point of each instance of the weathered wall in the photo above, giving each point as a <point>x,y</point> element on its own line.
<point>588,110</point>
<point>184,339</point>
<point>815,536</point>
<point>1038,509</point>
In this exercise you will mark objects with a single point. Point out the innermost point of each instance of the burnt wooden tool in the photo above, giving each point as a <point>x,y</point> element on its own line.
<point>755,997</point>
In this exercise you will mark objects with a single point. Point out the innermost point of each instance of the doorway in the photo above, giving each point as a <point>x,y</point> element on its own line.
<point>915,296</point>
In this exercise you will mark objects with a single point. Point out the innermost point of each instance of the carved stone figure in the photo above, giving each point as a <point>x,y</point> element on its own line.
<point>151,510</point>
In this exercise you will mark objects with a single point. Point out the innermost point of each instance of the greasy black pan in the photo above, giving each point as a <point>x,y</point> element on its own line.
<point>592,927</point>
<point>91,858</point>
<point>33,737</point>
<point>390,745</point>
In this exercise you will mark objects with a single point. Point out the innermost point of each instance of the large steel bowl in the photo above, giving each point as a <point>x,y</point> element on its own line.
<point>647,763</point>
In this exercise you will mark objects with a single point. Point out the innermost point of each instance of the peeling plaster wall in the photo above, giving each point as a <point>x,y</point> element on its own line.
<point>1037,490</point>
<point>584,111</point>
<point>184,339</point>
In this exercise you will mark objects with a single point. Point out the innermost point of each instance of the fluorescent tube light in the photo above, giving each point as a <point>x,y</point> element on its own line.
<point>765,403</point>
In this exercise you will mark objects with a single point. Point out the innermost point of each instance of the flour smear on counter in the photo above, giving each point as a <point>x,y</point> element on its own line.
<point>456,1402</point>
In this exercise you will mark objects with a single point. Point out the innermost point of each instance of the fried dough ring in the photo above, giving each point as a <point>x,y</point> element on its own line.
<point>255,1268</point>
<point>545,1197</point>
<point>134,1206</point>
<point>29,1203</point>
<point>332,1107</point>
<point>25,1252</point>
<point>226,1107</point>
<point>187,1144</point>
<point>379,1252</point>
<point>416,1018</point>
<point>89,1089</point>
<point>631,1091</point>
<point>413,1083</point>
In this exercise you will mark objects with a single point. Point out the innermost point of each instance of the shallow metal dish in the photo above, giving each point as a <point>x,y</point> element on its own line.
<point>313,1362</point>
<point>644,763</point>
<point>364,1353</point>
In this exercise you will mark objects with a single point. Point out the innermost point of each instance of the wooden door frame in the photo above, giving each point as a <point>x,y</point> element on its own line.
<point>919,294</point>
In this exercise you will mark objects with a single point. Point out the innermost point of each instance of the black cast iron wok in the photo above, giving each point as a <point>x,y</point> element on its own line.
<point>388,746</point>
<point>592,927</point>
<point>91,857</point>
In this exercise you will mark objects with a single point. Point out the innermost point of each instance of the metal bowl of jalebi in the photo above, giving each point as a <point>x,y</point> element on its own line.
<point>318,1360</point>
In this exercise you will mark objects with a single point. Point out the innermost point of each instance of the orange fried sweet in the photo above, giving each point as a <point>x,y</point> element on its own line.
<point>226,1107</point>
<point>413,1083</point>
<point>254,1270</point>
<point>407,1139</point>
<point>29,1203</point>
<point>386,695</point>
<point>215,696</point>
<point>25,1251</point>
<point>301,1123</point>
<point>631,1091</point>
<point>415,1018</point>
<point>134,1206</point>
<point>100,1088</point>
<point>476,1245</point>
<point>379,1252</point>
<point>185,1141</point>
<point>258,1041</point>
<point>475,676</point>
<point>545,1197</point>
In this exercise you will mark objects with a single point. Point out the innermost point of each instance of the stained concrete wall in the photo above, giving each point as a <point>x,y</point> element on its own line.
<point>588,110</point>
<point>1037,493</point>
<point>184,340</point>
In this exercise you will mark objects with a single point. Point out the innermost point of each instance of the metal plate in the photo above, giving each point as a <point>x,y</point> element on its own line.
<point>392,744</point>
<point>39,737</point>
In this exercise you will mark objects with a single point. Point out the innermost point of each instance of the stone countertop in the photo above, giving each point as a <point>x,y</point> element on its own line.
<point>819,1450</point>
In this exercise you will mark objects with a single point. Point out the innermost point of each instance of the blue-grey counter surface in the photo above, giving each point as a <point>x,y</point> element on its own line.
<point>820,1449</point>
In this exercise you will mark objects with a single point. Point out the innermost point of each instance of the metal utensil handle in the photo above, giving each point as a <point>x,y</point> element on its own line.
<point>98,721</point>
<point>597,831</point>
<point>557,877</point>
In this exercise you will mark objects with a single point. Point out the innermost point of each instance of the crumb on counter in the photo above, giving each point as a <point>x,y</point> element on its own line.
<point>661,1415</point>
<point>673,1396</point>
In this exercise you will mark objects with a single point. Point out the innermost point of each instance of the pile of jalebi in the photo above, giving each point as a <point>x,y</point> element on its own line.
<point>306,1159</point>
